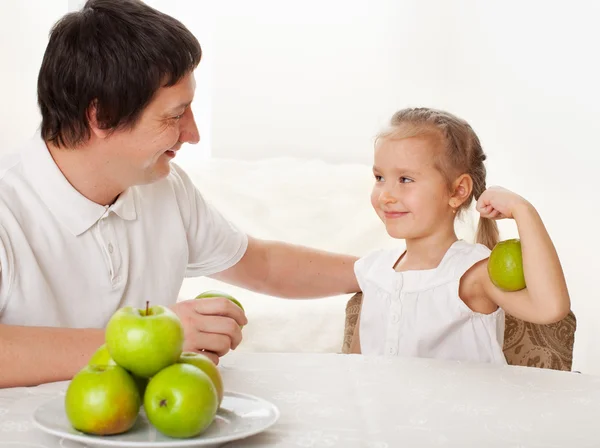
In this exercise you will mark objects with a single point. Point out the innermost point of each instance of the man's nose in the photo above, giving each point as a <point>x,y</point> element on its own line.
<point>189,129</point>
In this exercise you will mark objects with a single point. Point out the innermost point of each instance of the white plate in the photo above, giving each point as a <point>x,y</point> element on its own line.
<point>239,416</point>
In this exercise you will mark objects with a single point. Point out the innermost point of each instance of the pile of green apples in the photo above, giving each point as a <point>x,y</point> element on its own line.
<point>142,363</point>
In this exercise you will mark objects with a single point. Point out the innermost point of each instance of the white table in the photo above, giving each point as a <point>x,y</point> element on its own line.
<point>353,401</point>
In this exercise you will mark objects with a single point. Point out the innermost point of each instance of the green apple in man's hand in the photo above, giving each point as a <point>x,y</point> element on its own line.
<point>144,341</point>
<point>181,401</point>
<point>207,366</point>
<point>214,293</point>
<point>102,400</point>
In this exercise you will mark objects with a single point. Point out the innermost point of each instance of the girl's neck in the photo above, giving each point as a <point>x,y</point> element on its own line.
<point>425,253</point>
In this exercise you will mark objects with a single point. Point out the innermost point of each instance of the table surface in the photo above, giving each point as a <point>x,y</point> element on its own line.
<point>329,400</point>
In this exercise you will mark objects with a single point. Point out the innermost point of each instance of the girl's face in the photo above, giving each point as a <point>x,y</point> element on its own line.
<point>410,195</point>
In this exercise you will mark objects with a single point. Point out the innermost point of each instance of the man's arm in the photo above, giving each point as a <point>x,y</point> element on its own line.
<point>34,355</point>
<point>292,271</point>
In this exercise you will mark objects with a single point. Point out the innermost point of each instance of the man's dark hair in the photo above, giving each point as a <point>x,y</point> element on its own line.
<point>114,54</point>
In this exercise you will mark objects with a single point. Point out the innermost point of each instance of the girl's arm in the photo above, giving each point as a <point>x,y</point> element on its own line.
<point>546,298</point>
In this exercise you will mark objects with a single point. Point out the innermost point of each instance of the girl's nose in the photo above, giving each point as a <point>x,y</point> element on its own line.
<point>386,198</point>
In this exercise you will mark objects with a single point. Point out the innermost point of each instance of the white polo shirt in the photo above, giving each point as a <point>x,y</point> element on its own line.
<point>67,261</point>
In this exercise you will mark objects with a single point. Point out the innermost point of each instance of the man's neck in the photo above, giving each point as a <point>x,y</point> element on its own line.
<point>88,172</point>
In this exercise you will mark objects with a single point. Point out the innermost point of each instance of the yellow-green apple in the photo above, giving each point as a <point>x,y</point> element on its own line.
<point>102,400</point>
<point>207,366</point>
<point>101,357</point>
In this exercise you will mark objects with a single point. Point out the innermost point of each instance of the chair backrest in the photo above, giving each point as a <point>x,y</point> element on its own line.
<point>544,346</point>
<point>525,344</point>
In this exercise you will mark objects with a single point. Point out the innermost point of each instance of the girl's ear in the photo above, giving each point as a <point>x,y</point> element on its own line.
<point>92,116</point>
<point>461,190</point>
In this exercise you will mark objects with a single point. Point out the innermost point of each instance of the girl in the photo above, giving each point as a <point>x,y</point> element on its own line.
<point>432,296</point>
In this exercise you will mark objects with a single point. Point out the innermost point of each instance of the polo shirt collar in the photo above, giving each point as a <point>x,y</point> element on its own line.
<point>73,210</point>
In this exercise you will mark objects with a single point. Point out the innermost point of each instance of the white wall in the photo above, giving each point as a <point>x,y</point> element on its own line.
<point>318,79</point>
<point>23,38</point>
<point>526,75</point>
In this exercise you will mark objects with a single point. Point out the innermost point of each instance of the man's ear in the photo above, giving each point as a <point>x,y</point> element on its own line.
<point>92,116</point>
<point>461,190</point>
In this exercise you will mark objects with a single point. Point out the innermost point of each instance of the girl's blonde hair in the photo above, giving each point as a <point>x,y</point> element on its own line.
<point>462,154</point>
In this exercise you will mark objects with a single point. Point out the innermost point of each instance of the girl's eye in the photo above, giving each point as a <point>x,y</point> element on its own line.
<point>378,178</point>
<point>405,180</point>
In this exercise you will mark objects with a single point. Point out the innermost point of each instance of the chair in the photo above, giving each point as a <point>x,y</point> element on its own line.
<point>525,344</point>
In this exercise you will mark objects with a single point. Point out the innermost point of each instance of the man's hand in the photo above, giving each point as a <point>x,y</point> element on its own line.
<point>211,326</point>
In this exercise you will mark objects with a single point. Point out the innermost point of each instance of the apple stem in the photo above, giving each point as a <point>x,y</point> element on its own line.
<point>147,307</point>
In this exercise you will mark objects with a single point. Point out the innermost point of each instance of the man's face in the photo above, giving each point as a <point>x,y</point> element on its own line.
<point>142,154</point>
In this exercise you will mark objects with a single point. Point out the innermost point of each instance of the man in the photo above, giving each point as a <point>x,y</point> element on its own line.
<point>94,216</point>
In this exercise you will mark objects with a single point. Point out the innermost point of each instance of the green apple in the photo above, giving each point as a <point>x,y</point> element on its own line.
<point>215,293</point>
<point>102,400</point>
<point>505,266</point>
<point>101,357</point>
<point>141,384</point>
<point>181,401</point>
<point>204,363</point>
<point>144,341</point>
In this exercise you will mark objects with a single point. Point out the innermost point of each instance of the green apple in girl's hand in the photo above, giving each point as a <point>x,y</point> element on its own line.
<point>102,400</point>
<point>144,341</point>
<point>505,266</point>
<point>181,401</point>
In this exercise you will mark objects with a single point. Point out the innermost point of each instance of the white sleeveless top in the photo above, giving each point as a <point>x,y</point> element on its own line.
<point>419,313</point>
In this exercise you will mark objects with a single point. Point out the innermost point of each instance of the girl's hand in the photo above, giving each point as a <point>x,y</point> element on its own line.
<point>546,298</point>
<point>499,203</point>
